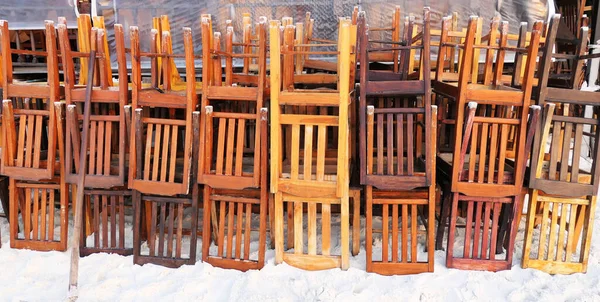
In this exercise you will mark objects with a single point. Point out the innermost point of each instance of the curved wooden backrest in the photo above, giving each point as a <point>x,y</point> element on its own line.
<point>325,181</point>
<point>503,107</point>
<point>166,123</point>
<point>29,119</point>
<point>233,105</point>
<point>106,161</point>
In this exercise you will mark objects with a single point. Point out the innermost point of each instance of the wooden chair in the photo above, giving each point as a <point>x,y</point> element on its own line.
<point>34,154</point>
<point>324,177</point>
<point>107,148</point>
<point>405,177</point>
<point>32,135</point>
<point>165,155</point>
<point>233,160</point>
<point>481,179</point>
<point>563,186</point>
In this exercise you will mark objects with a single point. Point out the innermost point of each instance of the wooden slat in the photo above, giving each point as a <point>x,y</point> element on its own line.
<point>149,135</point>
<point>544,227</point>
<point>394,233</point>
<point>385,233</point>
<point>482,152</point>
<point>170,230</point>
<point>105,223</point>
<point>107,148</point>
<point>100,149</point>
<point>553,235</point>
<point>404,233</point>
<point>165,154</point>
<point>161,228</point>
<point>400,138</point>
<point>495,219</point>
<point>179,240</point>
<point>221,240</point>
<point>308,140</point>
<point>501,161</point>
<point>298,228</point>
<point>576,153</point>
<point>380,144</point>
<point>566,148</point>
<point>44,205</point>
<point>554,150</point>
<point>295,149</point>
<point>230,226</point>
<point>113,221</point>
<point>413,237</point>
<point>238,229</point>
<point>173,154</point>
<point>486,232</point>
<point>221,146</point>
<point>468,230</point>
<point>493,153</point>
<point>561,233</point>
<point>29,144</point>
<point>477,233</point>
<point>473,152</point>
<point>239,152</point>
<point>38,142</point>
<point>27,216</point>
<point>51,218</point>
<point>571,235</point>
<point>156,157</point>
<point>390,145</point>
<point>230,146</point>
<point>35,216</point>
<point>92,152</point>
<point>247,231</point>
<point>121,200</point>
<point>312,228</point>
<point>326,228</point>
<point>95,199</point>
<point>21,140</point>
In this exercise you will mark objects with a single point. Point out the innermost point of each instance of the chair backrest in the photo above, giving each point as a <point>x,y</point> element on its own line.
<point>319,180</point>
<point>106,155</point>
<point>161,24</point>
<point>403,128</point>
<point>29,119</point>
<point>504,109</point>
<point>394,30</point>
<point>558,169</point>
<point>166,122</point>
<point>231,156</point>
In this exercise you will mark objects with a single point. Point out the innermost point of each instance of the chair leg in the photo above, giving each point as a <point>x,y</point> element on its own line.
<point>355,222</point>
<point>446,202</point>
<point>272,220</point>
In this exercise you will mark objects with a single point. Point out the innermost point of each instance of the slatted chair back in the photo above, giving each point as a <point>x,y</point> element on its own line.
<point>84,45</point>
<point>484,172</point>
<point>317,168</point>
<point>161,24</point>
<point>107,227</point>
<point>106,155</point>
<point>230,157</point>
<point>557,169</point>
<point>29,120</point>
<point>33,213</point>
<point>280,96</point>
<point>397,129</point>
<point>161,162</point>
<point>564,188</point>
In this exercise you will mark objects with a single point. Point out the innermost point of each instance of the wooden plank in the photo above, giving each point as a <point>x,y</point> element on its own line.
<point>230,146</point>
<point>100,148</point>
<point>239,152</point>
<point>477,233</point>
<point>170,228</point>
<point>572,235</point>
<point>238,233</point>
<point>404,233</point>
<point>247,232</point>
<point>230,226</point>
<point>38,141</point>
<point>482,152</point>
<point>179,238</point>
<point>495,219</point>
<point>400,138</point>
<point>409,144</point>
<point>553,235</point>
<point>107,148</point>
<point>165,155</point>
<point>221,233</point>
<point>147,157</point>
<point>295,150</point>
<point>113,223</point>
<point>29,144</point>
<point>105,223</point>
<point>44,206</point>
<point>35,216</point>
<point>321,146</point>
<point>298,228</point>
<point>385,233</point>
<point>561,233</point>
<point>380,144</point>
<point>156,157</point>
<point>468,230</point>
<point>173,155</point>
<point>308,140</point>
<point>543,229</point>
<point>326,229</point>
<point>486,232</point>
<point>221,146</point>
<point>312,228</point>
<point>92,150</point>
<point>390,145</point>
<point>395,232</point>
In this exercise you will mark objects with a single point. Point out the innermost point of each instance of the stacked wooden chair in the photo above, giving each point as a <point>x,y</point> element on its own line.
<point>563,185</point>
<point>481,178</point>
<point>105,180</point>
<point>310,153</point>
<point>163,155</point>
<point>33,151</point>
<point>397,150</point>
<point>233,158</point>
